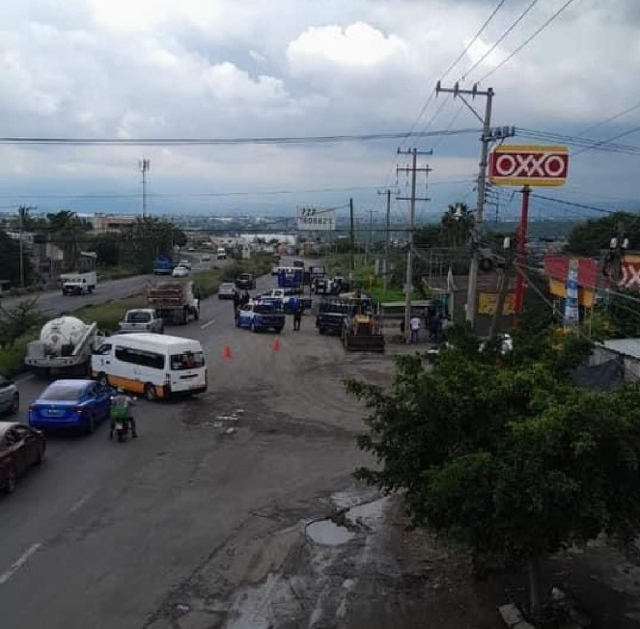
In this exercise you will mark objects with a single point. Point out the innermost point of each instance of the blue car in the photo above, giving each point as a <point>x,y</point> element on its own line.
<point>77,404</point>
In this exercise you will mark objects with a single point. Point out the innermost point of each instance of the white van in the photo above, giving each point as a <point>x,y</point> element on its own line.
<point>154,365</point>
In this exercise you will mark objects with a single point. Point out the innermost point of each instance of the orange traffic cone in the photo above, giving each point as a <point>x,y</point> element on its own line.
<point>226,352</point>
<point>276,344</point>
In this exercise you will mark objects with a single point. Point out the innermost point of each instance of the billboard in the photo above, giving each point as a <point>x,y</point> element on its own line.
<point>529,165</point>
<point>315,220</point>
<point>571,310</point>
<point>488,302</point>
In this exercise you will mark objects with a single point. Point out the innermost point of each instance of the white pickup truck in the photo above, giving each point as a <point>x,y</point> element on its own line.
<point>78,283</point>
<point>141,320</point>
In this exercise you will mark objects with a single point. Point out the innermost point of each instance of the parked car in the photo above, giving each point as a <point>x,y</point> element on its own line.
<point>246,281</point>
<point>9,396</point>
<point>20,448</point>
<point>258,317</point>
<point>206,257</point>
<point>185,263</point>
<point>227,290</point>
<point>180,271</point>
<point>77,404</point>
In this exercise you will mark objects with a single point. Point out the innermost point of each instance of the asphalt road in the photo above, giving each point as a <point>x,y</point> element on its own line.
<point>53,302</point>
<point>165,531</point>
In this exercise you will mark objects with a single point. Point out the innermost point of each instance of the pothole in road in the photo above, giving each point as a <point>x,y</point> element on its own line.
<point>328,533</point>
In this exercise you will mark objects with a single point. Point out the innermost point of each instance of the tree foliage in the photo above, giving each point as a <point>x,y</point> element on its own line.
<point>592,236</point>
<point>10,259</point>
<point>502,451</point>
<point>14,322</point>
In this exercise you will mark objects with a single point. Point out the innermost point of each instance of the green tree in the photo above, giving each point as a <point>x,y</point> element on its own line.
<point>456,225</point>
<point>10,260</point>
<point>503,452</point>
<point>591,237</point>
<point>107,248</point>
<point>68,231</point>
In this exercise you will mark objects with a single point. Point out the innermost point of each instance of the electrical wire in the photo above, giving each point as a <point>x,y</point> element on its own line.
<point>603,145</point>
<point>583,206</point>
<point>473,41</point>
<point>611,118</point>
<point>615,137</point>
<point>295,140</point>
<point>528,40</point>
<point>500,39</point>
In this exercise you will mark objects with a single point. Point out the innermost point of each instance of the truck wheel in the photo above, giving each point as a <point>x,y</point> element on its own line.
<point>103,379</point>
<point>150,392</point>
<point>184,318</point>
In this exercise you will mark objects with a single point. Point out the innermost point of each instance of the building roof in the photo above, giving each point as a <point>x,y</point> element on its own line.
<point>607,376</point>
<point>626,347</point>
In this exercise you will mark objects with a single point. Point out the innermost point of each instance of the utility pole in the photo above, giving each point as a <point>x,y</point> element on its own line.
<point>413,169</point>
<point>485,140</point>
<point>618,245</point>
<point>522,253</point>
<point>352,236</point>
<point>387,238</point>
<point>144,165</point>
<point>370,239</point>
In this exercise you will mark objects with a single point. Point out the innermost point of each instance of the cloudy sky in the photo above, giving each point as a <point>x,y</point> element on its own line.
<point>223,68</point>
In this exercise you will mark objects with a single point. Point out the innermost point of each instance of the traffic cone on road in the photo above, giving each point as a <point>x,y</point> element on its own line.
<point>226,352</point>
<point>276,344</point>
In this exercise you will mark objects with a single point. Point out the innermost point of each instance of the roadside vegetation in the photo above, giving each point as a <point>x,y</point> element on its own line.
<point>503,454</point>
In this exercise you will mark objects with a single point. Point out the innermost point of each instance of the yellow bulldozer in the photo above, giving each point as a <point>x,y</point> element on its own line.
<point>362,333</point>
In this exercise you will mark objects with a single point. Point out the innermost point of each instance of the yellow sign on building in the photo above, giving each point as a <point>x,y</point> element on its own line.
<point>488,302</point>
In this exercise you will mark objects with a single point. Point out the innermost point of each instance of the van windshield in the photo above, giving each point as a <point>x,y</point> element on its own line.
<point>187,360</point>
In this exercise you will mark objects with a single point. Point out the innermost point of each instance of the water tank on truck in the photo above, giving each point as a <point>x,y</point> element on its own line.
<point>60,336</point>
<point>65,343</point>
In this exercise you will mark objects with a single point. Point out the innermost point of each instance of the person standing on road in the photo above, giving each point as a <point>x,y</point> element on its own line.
<point>414,325</point>
<point>236,302</point>
<point>297,316</point>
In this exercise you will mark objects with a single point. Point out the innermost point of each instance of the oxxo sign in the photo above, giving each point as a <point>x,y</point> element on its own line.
<point>518,165</point>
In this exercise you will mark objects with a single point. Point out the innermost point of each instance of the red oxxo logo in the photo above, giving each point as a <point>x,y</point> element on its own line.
<point>529,165</point>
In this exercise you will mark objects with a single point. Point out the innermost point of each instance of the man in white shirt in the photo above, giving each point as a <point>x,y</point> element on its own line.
<point>414,325</point>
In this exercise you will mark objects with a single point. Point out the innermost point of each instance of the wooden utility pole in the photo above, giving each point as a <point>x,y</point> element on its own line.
<point>413,169</point>
<point>485,140</point>
<point>387,238</point>
<point>352,236</point>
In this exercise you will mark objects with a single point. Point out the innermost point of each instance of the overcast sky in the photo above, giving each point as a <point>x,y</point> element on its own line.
<point>223,68</point>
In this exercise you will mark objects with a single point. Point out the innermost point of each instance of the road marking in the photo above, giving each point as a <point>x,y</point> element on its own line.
<point>24,378</point>
<point>82,500</point>
<point>18,564</point>
<point>207,324</point>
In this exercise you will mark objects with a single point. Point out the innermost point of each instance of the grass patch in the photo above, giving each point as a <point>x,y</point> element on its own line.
<point>109,314</point>
<point>12,357</point>
<point>116,272</point>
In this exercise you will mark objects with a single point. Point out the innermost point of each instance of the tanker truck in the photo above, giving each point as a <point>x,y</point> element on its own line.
<point>65,343</point>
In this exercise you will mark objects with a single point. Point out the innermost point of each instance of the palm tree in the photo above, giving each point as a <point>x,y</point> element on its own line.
<point>456,225</point>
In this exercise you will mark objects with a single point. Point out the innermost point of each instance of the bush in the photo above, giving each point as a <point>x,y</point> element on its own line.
<point>12,357</point>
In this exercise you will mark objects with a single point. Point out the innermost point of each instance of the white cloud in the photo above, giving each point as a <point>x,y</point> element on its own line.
<point>356,46</point>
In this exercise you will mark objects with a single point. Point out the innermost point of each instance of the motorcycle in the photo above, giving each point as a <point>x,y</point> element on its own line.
<point>122,427</point>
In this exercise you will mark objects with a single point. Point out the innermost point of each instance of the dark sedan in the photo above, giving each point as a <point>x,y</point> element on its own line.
<point>21,447</point>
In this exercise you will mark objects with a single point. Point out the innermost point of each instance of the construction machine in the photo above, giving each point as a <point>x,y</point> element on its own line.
<point>362,333</point>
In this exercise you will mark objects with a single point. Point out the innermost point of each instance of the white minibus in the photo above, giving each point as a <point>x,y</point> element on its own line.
<point>154,365</point>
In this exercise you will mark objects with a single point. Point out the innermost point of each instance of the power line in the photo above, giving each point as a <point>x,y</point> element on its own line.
<point>611,118</point>
<point>603,145</point>
<point>314,139</point>
<point>500,39</point>
<point>528,40</point>
<point>473,41</point>
<point>615,137</point>
<point>573,204</point>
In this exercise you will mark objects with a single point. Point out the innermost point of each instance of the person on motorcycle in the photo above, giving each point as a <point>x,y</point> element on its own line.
<point>121,405</point>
